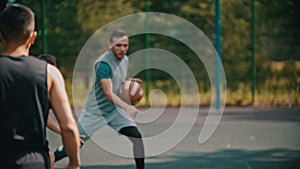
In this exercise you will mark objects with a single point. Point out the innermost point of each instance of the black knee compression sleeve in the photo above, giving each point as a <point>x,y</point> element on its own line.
<point>138,148</point>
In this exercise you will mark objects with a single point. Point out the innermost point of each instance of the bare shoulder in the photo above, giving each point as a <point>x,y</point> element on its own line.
<point>53,71</point>
<point>54,76</point>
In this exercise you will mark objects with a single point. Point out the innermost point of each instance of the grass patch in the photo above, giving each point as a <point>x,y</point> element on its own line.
<point>168,94</point>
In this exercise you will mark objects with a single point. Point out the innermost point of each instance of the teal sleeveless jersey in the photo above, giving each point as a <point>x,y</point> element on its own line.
<point>97,102</point>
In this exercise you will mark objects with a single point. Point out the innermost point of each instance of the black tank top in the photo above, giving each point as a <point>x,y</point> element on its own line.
<point>24,105</point>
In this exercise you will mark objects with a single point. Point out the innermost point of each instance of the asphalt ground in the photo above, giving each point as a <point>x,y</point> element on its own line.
<point>246,138</point>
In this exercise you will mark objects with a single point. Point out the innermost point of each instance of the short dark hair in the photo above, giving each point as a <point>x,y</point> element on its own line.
<point>117,33</point>
<point>16,23</point>
<point>48,58</point>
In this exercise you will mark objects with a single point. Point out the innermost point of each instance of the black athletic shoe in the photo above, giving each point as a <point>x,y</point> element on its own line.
<point>60,153</point>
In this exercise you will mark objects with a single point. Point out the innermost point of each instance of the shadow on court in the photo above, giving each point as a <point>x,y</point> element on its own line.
<point>274,115</point>
<point>224,159</point>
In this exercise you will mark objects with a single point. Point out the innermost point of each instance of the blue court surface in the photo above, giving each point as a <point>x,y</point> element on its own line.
<point>246,138</point>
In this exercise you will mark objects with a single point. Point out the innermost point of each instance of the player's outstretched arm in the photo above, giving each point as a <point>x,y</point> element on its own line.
<point>62,110</point>
<point>106,85</point>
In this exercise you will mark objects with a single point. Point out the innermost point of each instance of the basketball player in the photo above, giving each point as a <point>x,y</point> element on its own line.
<point>26,84</point>
<point>51,124</point>
<point>104,106</point>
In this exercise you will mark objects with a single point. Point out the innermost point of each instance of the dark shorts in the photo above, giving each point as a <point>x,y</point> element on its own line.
<point>33,160</point>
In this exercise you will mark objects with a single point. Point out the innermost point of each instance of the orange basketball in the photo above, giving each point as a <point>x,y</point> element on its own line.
<point>132,91</point>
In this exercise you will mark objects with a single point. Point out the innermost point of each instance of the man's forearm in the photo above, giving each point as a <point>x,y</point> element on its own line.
<point>71,142</point>
<point>118,101</point>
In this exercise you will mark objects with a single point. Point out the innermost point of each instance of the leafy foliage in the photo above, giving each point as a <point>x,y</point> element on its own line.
<point>71,22</point>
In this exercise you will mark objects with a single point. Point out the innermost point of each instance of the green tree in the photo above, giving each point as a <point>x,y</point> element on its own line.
<point>71,22</point>
<point>93,14</point>
<point>63,32</point>
<point>277,28</point>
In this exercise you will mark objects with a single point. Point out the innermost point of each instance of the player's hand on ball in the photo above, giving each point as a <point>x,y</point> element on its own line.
<point>131,91</point>
<point>136,80</point>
